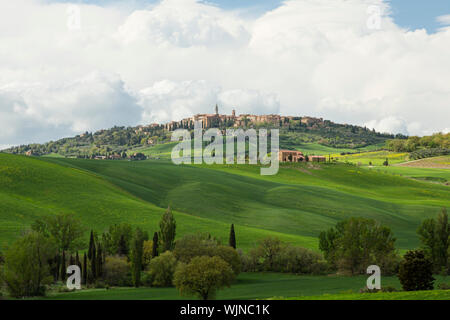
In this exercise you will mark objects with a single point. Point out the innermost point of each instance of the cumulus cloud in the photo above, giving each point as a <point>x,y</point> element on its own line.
<point>388,125</point>
<point>185,98</point>
<point>338,59</point>
<point>184,23</point>
<point>33,112</point>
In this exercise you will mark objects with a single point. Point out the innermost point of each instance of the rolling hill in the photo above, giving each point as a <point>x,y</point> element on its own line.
<point>295,205</point>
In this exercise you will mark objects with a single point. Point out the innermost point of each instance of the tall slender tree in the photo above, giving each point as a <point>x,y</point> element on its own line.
<point>167,231</point>
<point>99,263</point>
<point>58,266</point>
<point>91,246</point>
<point>136,256</point>
<point>122,247</point>
<point>63,266</point>
<point>77,260</point>
<point>85,269</point>
<point>155,245</point>
<point>232,237</point>
<point>94,264</point>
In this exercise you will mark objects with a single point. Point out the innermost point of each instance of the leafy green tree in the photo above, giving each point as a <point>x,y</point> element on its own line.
<point>65,229</point>
<point>203,276</point>
<point>356,243</point>
<point>232,241</point>
<point>137,252</point>
<point>435,237</point>
<point>416,272</point>
<point>161,269</point>
<point>26,270</point>
<point>118,239</point>
<point>167,232</point>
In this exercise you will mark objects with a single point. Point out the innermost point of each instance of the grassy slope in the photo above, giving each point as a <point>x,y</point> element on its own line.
<point>248,286</point>
<point>31,187</point>
<point>299,201</point>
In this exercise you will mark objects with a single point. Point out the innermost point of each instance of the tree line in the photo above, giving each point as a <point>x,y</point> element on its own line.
<point>200,265</point>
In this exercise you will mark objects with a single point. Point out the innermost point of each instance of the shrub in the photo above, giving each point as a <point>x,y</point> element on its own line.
<point>444,286</point>
<point>192,246</point>
<point>389,289</point>
<point>162,269</point>
<point>416,272</point>
<point>117,271</point>
<point>272,255</point>
<point>203,276</point>
<point>300,260</point>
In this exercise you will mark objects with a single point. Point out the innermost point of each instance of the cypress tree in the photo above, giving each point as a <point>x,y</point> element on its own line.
<point>155,245</point>
<point>85,270</point>
<point>91,246</point>
<point>122,247</point>
<point>58,266</point>
<point>94,264</point>
<point>63,266</point>
<point>77,260</point>
<point>136,256</point>
<point>167,227</point>
<point>232,237</point>
<point>99,266</point>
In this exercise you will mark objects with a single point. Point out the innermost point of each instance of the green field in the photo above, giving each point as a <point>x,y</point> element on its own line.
<point>425,174</point>
<point>377,158</point>
<point>247,286</point>
<point>415,295</point>
<point>294,205</point>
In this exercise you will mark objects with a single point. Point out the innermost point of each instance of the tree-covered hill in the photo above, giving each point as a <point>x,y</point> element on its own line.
<point>120,140</point>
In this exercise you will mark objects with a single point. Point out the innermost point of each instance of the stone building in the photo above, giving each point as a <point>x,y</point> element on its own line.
<point>291,156</point>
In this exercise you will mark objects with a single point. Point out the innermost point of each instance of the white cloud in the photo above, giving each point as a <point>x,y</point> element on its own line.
<point>184,23</point>
<point>176,58</point>
<point>33,112</point>
<point>388,125</point>
<point>168,100</point>
<point>444,20</point>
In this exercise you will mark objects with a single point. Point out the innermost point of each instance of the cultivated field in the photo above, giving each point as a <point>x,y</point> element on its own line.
<point>436,162</point>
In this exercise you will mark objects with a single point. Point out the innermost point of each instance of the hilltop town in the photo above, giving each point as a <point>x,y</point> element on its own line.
<point>216,120</point>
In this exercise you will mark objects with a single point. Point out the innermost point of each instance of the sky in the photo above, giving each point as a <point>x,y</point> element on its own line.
<point>67,67</point>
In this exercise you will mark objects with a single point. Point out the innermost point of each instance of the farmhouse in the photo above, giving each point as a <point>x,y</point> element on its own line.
<point>298,156</point>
